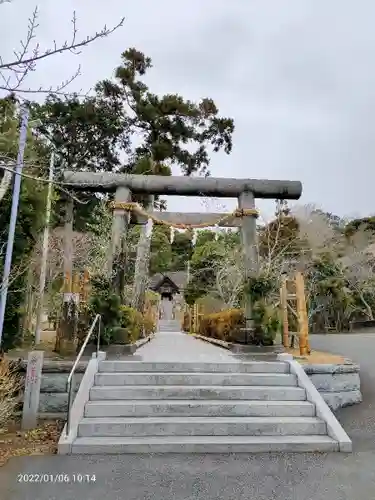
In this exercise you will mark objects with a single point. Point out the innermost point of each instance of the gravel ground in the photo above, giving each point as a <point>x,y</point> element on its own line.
<point>260,476</point>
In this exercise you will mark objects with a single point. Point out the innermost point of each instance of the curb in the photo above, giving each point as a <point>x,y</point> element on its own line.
<point>334,428</point>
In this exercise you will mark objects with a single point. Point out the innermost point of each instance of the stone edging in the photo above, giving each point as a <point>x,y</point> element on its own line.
<point>338,384</point>
<point>64,366</point>
<point>141,342</point>
<point>78,407</point>
<point>335,431</point>
<point>348,367</point>
<point>220,343</point>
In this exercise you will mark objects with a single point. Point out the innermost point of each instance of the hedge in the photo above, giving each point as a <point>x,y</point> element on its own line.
<point>224,325</point>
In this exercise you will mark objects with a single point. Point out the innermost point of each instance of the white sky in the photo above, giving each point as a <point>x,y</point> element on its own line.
<point>297,76</point>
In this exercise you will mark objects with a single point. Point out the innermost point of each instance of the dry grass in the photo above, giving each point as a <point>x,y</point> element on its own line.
<point>40,441</point>
<point>317,357</point>
<point>10,385</point>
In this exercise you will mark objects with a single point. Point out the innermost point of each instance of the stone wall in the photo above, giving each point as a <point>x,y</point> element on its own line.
<point>53,401</point>
<point>339,385</point>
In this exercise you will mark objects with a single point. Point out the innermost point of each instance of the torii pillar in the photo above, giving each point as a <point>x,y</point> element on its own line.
<point>249,214</point>
<point>118,254</point>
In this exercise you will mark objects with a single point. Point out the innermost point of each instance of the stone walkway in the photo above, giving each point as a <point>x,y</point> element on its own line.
<point>178,346</point>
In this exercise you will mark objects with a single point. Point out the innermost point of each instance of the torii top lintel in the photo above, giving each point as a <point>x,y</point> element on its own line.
<point>183,186</point>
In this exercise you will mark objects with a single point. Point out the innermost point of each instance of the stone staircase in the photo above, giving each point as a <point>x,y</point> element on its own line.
<point>169,325</point>
<point>144,407</point>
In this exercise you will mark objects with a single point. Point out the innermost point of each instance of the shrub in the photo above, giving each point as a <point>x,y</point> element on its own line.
<point>10,385</point>
<point>223,325</point>
<point>104,302</point>
<point>107,303</point>
<point>226,325</point>
<point>136,323</point>
<point>132,320</point>
<point>267,323</point>
<point>148,324</point>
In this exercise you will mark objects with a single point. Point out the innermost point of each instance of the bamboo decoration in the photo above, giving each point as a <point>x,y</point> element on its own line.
<point>196,311</point>
<point>284,311</point>
<point>190,311</point>
<point>289,302</point>
<point>302,315</point>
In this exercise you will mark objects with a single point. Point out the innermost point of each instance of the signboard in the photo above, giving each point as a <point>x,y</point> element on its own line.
<point>32,390</point>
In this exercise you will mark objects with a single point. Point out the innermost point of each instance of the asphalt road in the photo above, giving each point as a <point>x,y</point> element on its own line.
<point>357,420</point>
<point>334,476</point>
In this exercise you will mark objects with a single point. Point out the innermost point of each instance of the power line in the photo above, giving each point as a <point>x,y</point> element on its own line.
<point>57,185</point>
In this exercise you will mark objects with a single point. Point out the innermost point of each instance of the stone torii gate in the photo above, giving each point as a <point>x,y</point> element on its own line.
<point>245,190</point>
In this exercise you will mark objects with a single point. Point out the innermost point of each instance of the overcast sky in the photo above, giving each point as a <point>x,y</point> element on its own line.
<point>297,76</point>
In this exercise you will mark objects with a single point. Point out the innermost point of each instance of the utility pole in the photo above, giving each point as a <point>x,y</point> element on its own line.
<point>13,215</point>
<point>43,266</point>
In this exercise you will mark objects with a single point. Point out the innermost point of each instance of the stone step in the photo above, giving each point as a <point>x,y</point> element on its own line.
<point>203,444</point>
<point>264,393</point>
<point>227,367</point>
<point>200,426</point>
<point>169,326</point>
<point>211,408</point>
<point>196,379</point>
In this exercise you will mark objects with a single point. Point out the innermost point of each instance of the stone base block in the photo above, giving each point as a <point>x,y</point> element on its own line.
<point>336,400</point>
<point>257,350</point>
<point>117,351</point>
<point>67,347</point>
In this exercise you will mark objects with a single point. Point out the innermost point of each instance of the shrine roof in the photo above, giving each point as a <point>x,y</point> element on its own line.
<point>177,279</point>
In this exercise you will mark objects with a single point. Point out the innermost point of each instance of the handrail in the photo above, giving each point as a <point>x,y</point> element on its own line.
<point>71,374</point>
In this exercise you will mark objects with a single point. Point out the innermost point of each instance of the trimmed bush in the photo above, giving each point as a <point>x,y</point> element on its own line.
<point>226,325</point>
<point>223,325</point>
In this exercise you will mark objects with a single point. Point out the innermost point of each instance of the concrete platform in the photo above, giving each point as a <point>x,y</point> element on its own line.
<point>180,347</point>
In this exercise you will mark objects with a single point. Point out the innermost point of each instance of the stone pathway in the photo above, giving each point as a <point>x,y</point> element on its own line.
<point>178,346</point>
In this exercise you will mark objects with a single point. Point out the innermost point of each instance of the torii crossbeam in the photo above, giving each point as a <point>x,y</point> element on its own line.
<point>246,190</point>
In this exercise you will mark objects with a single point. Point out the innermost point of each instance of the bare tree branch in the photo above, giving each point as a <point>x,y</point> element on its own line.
<point>13,73</point>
